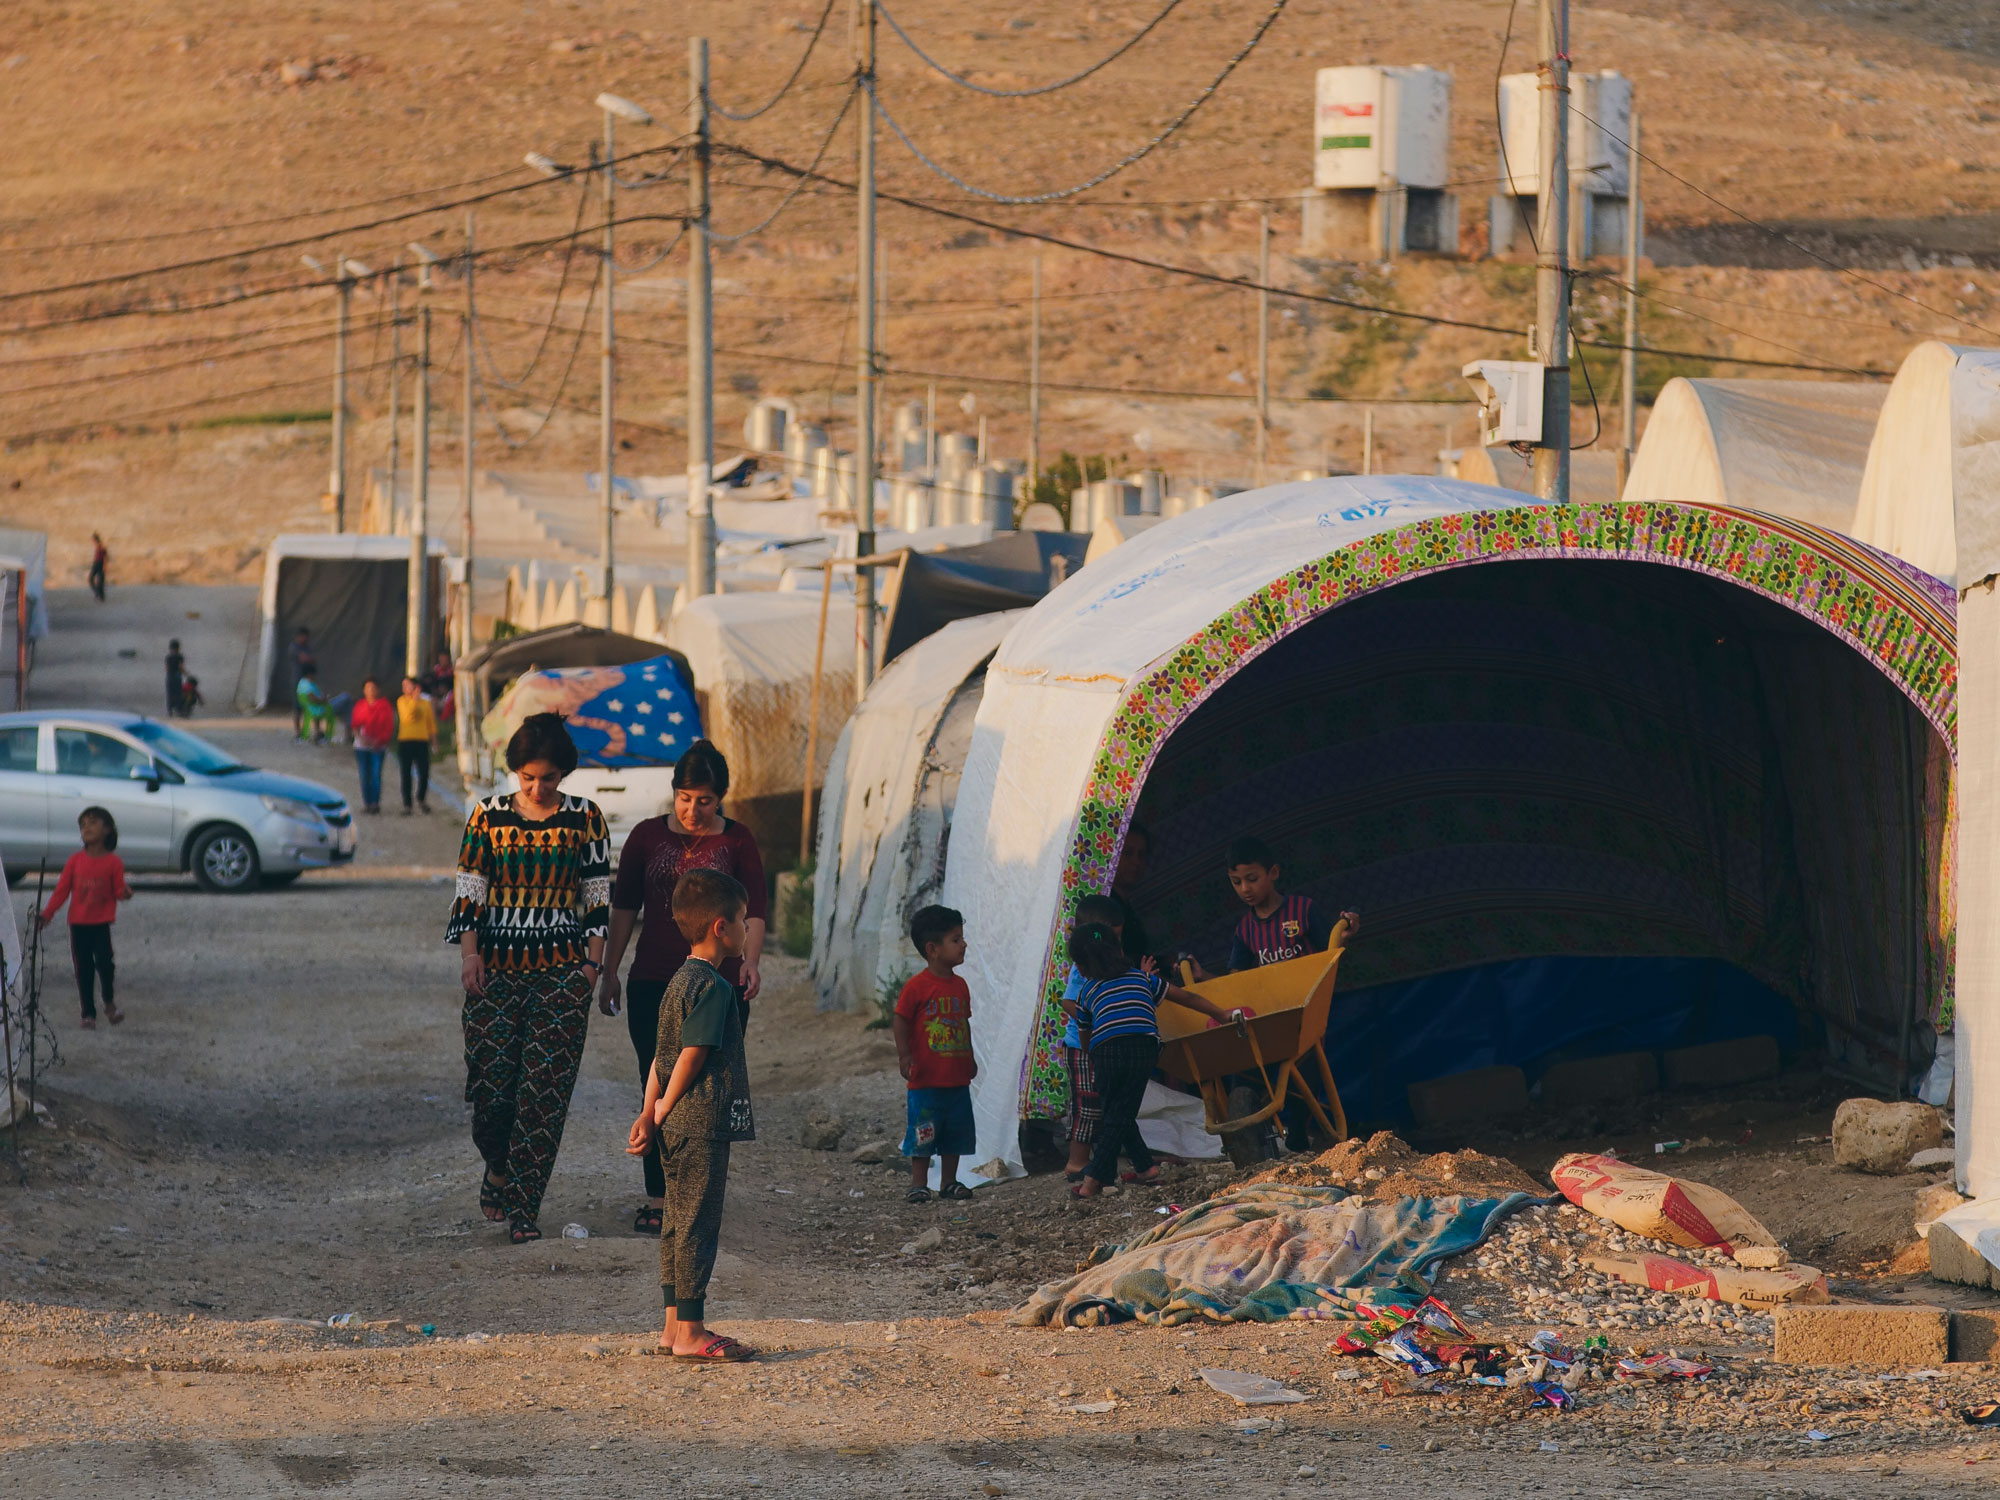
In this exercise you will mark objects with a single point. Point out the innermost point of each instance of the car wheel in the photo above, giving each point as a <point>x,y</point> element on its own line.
<point>225,861</point>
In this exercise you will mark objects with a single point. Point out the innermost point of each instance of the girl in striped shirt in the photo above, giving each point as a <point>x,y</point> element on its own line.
<point>1118,1005</point>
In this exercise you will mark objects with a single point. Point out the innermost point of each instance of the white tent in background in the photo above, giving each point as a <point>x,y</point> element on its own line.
<point>890,791</point>
<point>1931,493</point>
<point>1789,447</point>
<point>1178,662</point>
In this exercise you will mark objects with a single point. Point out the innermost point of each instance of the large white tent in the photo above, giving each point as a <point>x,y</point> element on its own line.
<point>891,788</point>
<point>1931,490</point>
<point>1175,680</point>
<point>1791,447</point>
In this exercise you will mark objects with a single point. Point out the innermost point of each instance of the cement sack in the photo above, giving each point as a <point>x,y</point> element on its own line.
<point>1663,1273</point>
<point>1660,1207</point>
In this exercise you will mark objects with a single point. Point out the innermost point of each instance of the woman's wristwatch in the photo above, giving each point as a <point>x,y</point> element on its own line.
<point>591,963</point>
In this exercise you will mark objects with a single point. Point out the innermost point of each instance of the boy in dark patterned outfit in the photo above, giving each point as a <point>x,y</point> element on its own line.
<point>697,1104</point>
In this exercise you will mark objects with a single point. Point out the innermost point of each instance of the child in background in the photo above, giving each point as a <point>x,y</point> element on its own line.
<point>1085,1109</point>
<point>934,1054</point>
<point>93,882</point>
<point>1120,1004</point>
<point>697,1104</point>
<point>1277,927</point>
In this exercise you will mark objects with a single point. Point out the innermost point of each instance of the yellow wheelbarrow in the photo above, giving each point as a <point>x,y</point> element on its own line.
<point>1291,1001</point>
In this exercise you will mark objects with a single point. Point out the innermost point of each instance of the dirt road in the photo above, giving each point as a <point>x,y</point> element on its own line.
<point>276,1135</point>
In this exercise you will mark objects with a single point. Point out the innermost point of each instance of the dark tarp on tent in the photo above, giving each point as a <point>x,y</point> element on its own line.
<point>357,609</point>
<point>1013,570</point>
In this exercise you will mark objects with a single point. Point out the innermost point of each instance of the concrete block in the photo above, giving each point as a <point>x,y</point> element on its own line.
<point>1463,1098</point>
<point>1599,1080</point>
<point>1975,1335</point>
<point>1954,1259</point>
<point>1720,1064</point>
<point>1854,1333</point>
<point>1873,1135</point>
<point>1934,1202</point>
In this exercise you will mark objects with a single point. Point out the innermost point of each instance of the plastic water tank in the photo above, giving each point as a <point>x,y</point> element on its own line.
<point>912,503</point>
<point>1112,497</point>
<point>826,472</point>
<point>1152,485</point>
<point>765,424</point>
<point>957,452</point>
<point>802,442</point>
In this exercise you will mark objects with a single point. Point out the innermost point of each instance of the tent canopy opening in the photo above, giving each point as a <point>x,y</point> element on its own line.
<point>1673,767</point>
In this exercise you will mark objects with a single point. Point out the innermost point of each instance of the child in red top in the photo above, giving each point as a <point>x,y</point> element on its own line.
<point>93,882</point>
<point>934,1053</point>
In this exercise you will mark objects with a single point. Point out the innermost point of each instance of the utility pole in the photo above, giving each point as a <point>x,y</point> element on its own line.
<point>414,655</point>
<point>1368,440</point>
<point>395,388</point>
<point>1263,343</point>
<point>1628,361</point>
<point>337,481</point>
<point>701,338</point>
<point>864,354</point>
<point>1552,252</point>
<point>465,630</point>
<point>1034,380</point>
<point>607,366</point>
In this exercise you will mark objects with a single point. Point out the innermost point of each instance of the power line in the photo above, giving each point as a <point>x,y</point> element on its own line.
<point>113,377</point>
<point>70,356</point>
<point>555,306</point>
<point>307,213</point>
<point>127,418</point>
<point>846,103</point>
<point>1783,238</point>
<point>289,288</point>
<point>199,262</point>
<point>1657,300</point>
<point>1131,159</point>
<point>786,87</point>
<point>1247,284</point>
<point>569,366</point>
<point>1046,88</point>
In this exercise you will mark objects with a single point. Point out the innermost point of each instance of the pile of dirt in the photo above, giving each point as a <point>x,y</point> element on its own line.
<point>1385,1166</point>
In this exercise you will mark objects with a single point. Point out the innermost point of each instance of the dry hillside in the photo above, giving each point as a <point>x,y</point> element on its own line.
<point>195,130</point>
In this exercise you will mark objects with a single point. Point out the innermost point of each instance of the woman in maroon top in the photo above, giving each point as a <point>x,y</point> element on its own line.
<point>694,836</point>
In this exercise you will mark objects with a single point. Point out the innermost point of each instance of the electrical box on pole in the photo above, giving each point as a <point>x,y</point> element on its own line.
<point>1510,399</point>
<point>1600,125</point>
<point>1381,162</point>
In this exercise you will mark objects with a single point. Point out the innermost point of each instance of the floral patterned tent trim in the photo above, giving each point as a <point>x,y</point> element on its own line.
<point>1902,620</point>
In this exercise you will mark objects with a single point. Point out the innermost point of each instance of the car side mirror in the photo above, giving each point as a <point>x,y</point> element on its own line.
<point>150,774</point>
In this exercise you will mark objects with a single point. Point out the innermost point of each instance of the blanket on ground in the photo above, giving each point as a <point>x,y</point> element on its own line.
<point>1269,1252</point>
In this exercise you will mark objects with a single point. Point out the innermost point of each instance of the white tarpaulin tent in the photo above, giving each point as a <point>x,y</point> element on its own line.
<point>1791,447</point>
<point>752,656</point>
<point>1931,492</point>
<point>28,552</point>
<point>890,791</point>
<point>1106,680</point>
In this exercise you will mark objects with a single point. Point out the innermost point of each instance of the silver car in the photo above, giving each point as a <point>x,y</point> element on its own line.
<point>180,803</point>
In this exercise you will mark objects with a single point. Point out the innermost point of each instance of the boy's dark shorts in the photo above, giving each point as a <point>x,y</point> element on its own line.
<point>939,1123</point>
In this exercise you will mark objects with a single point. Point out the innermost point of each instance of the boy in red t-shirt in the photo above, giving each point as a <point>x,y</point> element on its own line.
<point>934,1053</point>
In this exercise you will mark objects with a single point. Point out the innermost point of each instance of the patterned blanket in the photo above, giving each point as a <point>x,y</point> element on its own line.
<point>1265,1253</point>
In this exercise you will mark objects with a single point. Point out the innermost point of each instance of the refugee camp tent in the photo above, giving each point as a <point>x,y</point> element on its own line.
<point>883,825</point>
<point>1791,447</point>
<point>352,592</point>
<point>27,553</point>
<point>484,675</point>
<point>1931,491</point>
<point>1014,569</point>
<point>1671,773</point>
<point>752,658</point>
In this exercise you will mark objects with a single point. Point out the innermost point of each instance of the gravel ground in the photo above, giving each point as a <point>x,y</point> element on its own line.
<point>276,1135</point>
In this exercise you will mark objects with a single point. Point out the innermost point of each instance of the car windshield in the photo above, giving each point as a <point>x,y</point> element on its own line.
<point>182,748</point>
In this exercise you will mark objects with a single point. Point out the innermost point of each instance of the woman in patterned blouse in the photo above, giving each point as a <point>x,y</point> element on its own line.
<point>534,891</point>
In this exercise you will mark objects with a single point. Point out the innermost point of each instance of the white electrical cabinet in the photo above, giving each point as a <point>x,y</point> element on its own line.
<point>1600,123</point>
<point>1381,159</point>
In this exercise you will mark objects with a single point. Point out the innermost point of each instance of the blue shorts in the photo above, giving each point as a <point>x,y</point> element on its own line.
<point>939,1123</point>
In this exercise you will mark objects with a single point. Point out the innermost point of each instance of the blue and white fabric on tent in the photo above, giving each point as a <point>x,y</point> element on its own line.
<point>639,714</point>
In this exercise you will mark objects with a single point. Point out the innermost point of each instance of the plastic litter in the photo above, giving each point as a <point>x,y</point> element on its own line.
<point>1256,1424</point>
<point>1246,1389</point>
<point>1689,1214</point>
<point>1986,1414</point>
<point>1549,1447</point>
<point>575,1232</point>
<point>1661,1148</point>
<point>1089,1408</point>
<point>1744,1286</point>
<point>1816,1436</point>
<point>1548,1393</point>
<point>1661,1367</point>
<point>339,1320</point>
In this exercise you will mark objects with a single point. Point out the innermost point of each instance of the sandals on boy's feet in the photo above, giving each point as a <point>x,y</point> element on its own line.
<point>920,1195</point>
<point>90,1023</point>
<point>489,1197</point>
<point>647,1220</point>
<point>721,1349</point>
<point>954,1189</point>
<point>523,1231</point>
<point>1144,1179</point>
